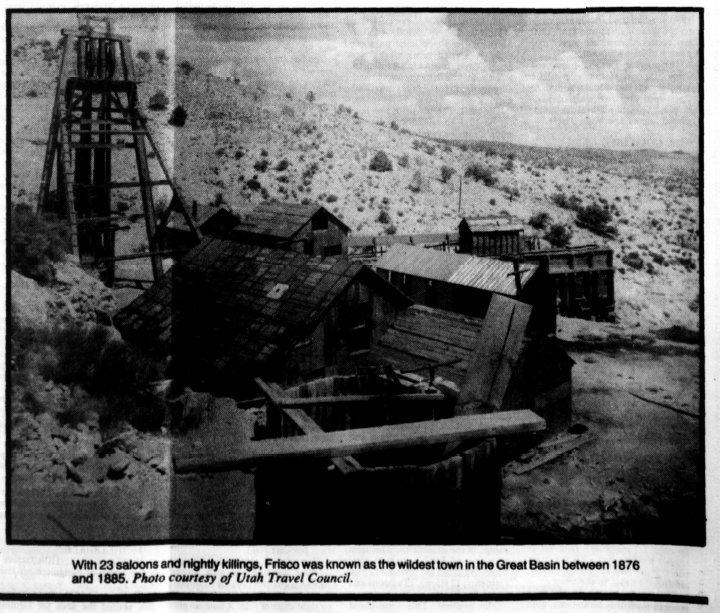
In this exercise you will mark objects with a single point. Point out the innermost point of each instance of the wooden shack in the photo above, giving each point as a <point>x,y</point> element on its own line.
<point>490,235</point>
<point>308,229</point>
<point>463,283</point>
<point>227,312</point>
<point>583,278</point>
<point>439,345</point>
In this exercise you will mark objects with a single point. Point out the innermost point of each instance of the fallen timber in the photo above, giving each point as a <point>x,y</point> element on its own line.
<point>363,440</point>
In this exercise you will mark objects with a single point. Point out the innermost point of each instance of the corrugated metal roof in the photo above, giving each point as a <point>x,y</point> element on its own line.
<point>218,305</point>
<point>460,269</point>
<point>282,219</point>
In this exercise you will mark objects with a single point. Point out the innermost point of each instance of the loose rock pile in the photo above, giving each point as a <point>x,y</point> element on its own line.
<point>76,459</point>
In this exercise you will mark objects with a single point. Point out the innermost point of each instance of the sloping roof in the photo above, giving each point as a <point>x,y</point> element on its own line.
<point>421,336</point>
<point>228,302</point>
<point>458,268</point>
<point>223,215</point>
<point>498,223</point>
<point>282,219</point>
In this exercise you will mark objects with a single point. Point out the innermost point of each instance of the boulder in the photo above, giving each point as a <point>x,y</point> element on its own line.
<point>118,464</point>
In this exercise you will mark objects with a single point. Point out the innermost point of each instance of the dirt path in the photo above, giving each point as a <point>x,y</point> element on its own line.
<point>639,480</point>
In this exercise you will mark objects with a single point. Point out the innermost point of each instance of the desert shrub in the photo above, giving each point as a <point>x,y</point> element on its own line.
<point>394,126</point>
<point>493,202</point>
<point>417,181</point>
<point>310,96</point>
<point>446,172</point>
<point>558,235</point>
<point>381,162</point>
<point>178,117</point>
<point>539,220</point>
<point>282,165</point>
<point>261,165</point>
<point>143,56</point>
<point>186,68</point>
<point>571,203</point>
<point>694,305</point>
<point>509,165</point>
<point>403,161</point>
<point>633,260</point>
<point>36,242</point>
<point>383,217</point>
<point>161,56</point>
<point>253,184</point>
<point>596,219</point>
<point>158,101</point>
<point>390,230</point>
<point>239,153</point>
<point>511,192</point>
<point>332,198</point>
<point>32,94</point>
<point>118,377</point>
<point>686,262</point>
<point>478,172</point>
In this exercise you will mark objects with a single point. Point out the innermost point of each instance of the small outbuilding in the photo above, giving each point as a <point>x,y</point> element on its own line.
<point>308,229</point>
<point>227,312</point>
<point>463,283</point>
<point>491,235</point>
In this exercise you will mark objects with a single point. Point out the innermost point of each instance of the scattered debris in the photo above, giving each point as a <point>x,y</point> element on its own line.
<point>552,455</point>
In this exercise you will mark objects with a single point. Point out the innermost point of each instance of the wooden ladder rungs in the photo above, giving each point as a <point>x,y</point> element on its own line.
<point>101,145</point>
<point>95,122</point>
<point>123,184</point>
<point>111,132</point>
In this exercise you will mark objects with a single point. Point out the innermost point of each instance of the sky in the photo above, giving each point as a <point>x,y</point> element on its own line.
<point>618,80</point>
<point>621,80</point>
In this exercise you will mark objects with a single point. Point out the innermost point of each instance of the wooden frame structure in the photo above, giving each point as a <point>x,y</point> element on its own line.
<point>95,112</point>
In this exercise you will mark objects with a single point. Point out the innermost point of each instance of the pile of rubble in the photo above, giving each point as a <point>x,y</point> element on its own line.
<point>77,459</point>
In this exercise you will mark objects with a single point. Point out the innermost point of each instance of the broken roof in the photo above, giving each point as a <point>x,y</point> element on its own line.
<point>457,268</point>
<point>422,335</point>
<point>283,219</point>
<point>228,302</point>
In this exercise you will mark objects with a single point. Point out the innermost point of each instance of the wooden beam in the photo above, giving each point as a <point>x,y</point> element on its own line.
<point>493,361</point>
<point>362,440</point>
<point>307,425</point>
<point>285,401</point>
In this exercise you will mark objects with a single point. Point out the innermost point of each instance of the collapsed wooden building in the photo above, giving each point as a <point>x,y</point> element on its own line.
<point>227,312</point>
<point>395,464</point>
<point>439,345</point>
<point>465,284</point>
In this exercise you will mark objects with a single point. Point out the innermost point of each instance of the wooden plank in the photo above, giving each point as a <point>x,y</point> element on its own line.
<point>355,399</point>
<point>362,440</point>
<point>552,456</point>
<point>494,359</point>
<point>307,425</point>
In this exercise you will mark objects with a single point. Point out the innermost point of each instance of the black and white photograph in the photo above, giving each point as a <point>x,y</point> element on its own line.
<point>356,277</point>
